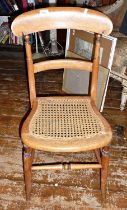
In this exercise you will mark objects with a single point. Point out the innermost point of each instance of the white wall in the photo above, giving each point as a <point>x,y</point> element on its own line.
<point>3,19</point>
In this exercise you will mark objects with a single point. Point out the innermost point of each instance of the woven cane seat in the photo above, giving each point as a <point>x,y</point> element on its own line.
<point>67,123</point>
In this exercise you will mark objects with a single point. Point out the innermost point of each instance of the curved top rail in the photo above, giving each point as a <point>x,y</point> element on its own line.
<point>61,18</point>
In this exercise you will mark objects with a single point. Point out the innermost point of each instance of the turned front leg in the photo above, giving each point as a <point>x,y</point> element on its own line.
<point>28,155</point>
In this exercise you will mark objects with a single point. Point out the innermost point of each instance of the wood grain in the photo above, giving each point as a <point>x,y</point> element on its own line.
<point>61,18</point>
<point>56,190</point>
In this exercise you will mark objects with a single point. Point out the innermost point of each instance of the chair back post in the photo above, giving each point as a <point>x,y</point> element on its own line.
<point>30,66</point>
<point>95,68</point>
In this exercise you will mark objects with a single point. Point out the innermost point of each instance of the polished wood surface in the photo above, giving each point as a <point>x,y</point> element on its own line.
<point>61,18</point>
<point>95,68</point>
<point>57,190</point>
<point>30,67</point>
<point>67,166</point>
<point>63,63</point>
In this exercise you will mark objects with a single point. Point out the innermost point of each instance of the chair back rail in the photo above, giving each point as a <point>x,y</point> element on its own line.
<point>63,63</point>
<point>61,18</point>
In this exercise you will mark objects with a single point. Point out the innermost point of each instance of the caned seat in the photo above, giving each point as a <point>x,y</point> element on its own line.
<point>64,123</point>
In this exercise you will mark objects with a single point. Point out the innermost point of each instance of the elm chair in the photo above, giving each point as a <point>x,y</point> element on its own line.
<point>66,124</point>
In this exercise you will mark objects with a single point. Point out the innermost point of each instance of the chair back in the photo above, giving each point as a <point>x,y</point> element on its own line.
<point>62,18</point>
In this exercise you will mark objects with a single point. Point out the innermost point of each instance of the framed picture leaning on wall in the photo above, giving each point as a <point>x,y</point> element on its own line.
<point>79,44</point>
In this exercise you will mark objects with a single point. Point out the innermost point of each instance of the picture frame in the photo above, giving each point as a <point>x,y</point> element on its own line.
<point>79,44</point>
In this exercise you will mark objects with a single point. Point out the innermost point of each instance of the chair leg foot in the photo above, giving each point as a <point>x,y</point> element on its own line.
<point>104,171</point>
<point>28,155</point>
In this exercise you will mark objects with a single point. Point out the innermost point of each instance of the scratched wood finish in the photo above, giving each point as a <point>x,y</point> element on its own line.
<point>54,190</point>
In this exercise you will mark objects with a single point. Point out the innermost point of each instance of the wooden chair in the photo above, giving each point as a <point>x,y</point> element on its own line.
<point>66,123</point>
